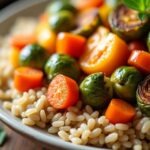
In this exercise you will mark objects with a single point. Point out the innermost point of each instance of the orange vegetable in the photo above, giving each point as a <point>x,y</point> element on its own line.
<point>136,45</point>
<point>70,44</point>
<point>14,57</point>
<point>85,4</point>
<point>62,92</point>
<point>104,53</point>
<point>120,111</point>
<point>19,41</point>
<point>43,18</point>
<point>26,78</point>
<point>46,38</point>
<point>141,60</point>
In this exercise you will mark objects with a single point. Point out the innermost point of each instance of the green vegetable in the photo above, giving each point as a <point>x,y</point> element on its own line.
<point>2,136</point>
<point>125,22</point>
<point>125,81</point>
<point>96,90</point>
<point>148,41</point>
<point>143,96</point>
<point>87,22</point>
<point>142,6</point>
<point>62,21</point>
<point>60,5</point>
<point>62,64</point>
<point>33,56</point>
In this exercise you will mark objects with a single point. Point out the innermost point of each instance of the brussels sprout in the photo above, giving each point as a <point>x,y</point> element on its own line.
<point>125,81</point>
<point>148,41</point>
<point>60,5</point>
<point>87,22</point>
<point>62,21</point>
<point>126,23</point>
<point>143,96</point>
<point>33,55</point>
<point>96,91</point>
<point>62,64</point>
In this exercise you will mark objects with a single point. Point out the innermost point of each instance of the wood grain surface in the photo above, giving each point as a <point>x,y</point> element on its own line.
<point>17,142</point>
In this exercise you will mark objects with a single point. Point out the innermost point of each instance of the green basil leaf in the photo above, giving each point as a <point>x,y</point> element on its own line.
<point>138,5</point>
<point>2,136</point>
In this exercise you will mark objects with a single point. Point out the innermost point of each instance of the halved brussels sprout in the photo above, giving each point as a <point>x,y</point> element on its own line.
<point>126,23</point>
<point>143,96</point>
<point>125,81</point>
<point>33,56</point>
<point>62,21</point>
<point>62,64</point>
<point>96,90</point>
<point>87,22</point>
<point>60,5</point>
<point>148,41</point>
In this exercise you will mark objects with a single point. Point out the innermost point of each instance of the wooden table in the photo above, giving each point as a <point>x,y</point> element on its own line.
<point>18,142</point>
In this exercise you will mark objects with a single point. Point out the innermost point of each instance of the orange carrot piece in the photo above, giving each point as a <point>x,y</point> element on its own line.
<point>119,111</point>
<point>70,44</point>
<point>62,92</point>
<point>26,78</point>
<point>19,41</point>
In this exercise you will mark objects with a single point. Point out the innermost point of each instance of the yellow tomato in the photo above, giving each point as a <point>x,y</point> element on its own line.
<point>46,37</point>
<point>14,57</point>
<point>104,53</point>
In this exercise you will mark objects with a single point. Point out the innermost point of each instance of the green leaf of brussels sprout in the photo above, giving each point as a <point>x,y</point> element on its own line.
<point>94,91</point>
<point>143,96</point>
<point>62,64</point>
<point>125,81</point>
<point>33,56</point>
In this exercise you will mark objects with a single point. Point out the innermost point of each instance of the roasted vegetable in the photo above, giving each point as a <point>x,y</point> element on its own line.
<point>96,91</point>
<point>33,56</point>
<point>143,96</point>
<point>148,41</point>
<point>87,22</point>
<point>62,21</point>
<point>105,52</point>
<point>62,64</point>
<point>60,5</point>
<point>125,22</point>
<point>125,81</point>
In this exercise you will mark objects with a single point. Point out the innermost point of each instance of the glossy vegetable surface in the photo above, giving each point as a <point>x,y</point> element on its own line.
<point>26,78</point>
<point>101,54</point>
<point>125,22</point>
<point>143,97</point>
<point>20,41</point>
<point>60,5</point>
<point>141,60</point>
<point>62,92</point>
<point>94,92</point>
<point>148,41</point>
<point>62,21</point>
<point>119,111</point>
<point>125,81</point>
<point>87,21</point>
<point>34,56</point>
<point>70,44</point>
<point>62,64</point>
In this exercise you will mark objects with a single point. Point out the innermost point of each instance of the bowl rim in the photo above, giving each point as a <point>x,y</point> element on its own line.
<point>14,122</point>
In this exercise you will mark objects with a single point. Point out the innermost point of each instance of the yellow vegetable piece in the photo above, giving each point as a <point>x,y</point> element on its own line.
<point>104,11</point>
<point>46,38</point>
<point>14,57</point>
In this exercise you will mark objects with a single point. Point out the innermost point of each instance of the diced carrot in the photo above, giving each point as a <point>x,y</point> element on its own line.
<point>70,44</point>
<point>140,60</point>
<point>26,78</point>
<point>14,57</point>
<point>62,92</point>
<point>19,41</point>
<point>120,111</point>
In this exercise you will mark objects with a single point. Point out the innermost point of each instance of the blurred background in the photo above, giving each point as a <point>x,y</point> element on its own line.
<point>4,3</point>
